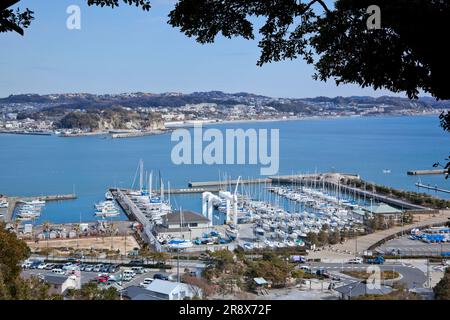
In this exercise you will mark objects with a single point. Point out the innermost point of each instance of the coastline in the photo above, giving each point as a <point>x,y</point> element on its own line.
<point>192,123</point>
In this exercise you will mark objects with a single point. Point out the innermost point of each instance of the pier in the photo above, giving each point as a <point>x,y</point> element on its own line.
<point>227,182</point>
<point>134,213</point>
<point>273,179</point>
<point>424,172</point>
<point>435,188</point>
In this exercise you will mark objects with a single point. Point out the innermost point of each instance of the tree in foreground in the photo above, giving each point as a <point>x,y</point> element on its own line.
<point>91,291</point>
<point>12,287</point>
<point>442,288</point>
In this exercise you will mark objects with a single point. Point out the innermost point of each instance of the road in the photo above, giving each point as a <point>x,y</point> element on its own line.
<point>412,277</point>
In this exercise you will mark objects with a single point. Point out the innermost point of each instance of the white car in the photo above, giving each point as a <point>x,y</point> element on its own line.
<point>146,282</point>
<point>355,261</point>
<point>58,271</point>
<point>42,266</point>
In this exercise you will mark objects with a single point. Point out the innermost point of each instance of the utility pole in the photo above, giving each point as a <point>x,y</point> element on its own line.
<point>178,265</point>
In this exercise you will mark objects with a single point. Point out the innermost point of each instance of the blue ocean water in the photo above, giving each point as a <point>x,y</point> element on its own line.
<point>40,165</point>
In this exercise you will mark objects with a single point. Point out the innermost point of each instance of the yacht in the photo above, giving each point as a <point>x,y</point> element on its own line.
<point>109,196</point>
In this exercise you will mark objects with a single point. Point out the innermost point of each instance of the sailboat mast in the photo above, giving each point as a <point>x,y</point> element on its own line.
<point>141,175</point>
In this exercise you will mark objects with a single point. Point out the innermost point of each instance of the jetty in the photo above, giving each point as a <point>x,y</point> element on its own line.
<point>56,197</point>
<point>424,172</point>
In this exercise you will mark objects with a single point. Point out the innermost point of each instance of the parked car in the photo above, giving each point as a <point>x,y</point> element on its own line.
<point>136,262</point>
<point>138,270</point>
<point>160,276</point>
<point>102,279</point>
<point>146,282</point>
<point>129,272</point>
<point>127,278</point>
<point>88,268</point>
<point>58,271</point>
<point>105,268</point>
<point>97,268</point>
<point>26,265</point>
<point>113,268</point>
<point>50,266</point>
<point>357,260</point>
<point>304,268</point>
<point>67,265</point>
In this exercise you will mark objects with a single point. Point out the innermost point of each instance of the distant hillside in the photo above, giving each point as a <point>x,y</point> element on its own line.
<point>139,99</point>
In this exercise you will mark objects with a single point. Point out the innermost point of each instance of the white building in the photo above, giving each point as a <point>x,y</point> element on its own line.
<point>168,290</point>
<point>60,283</point>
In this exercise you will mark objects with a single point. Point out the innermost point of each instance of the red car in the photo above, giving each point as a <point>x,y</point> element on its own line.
<point>102,279</point>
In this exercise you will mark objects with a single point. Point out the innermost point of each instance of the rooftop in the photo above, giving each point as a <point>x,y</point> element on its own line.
<point>381,208</point>
<point>138,293</point>
<point>55,279</point>
<point>163,286</point>
<point>260,281</point>
<point>188,217</point>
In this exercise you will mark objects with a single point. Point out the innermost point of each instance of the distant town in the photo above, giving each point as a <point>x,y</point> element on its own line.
<point>135,114</point>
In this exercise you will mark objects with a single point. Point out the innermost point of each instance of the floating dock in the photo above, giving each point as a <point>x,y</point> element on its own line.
<point>12,201</point>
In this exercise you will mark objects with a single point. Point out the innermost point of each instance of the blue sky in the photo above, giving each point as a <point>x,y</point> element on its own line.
<point>129,50</point>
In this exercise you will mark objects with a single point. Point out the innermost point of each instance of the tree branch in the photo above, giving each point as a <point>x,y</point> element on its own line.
<point>324,6</point>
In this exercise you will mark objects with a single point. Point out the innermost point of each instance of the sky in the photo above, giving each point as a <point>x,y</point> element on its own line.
<point>128,50</point>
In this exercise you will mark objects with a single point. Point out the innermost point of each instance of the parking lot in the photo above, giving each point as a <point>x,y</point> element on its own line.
<point>98,273</point>
<point>408,247</point>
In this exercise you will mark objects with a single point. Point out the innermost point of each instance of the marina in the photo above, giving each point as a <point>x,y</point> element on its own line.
<point>239,208</point>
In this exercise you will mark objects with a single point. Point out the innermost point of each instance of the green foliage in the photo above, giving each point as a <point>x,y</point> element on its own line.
<point>401,56</point>
<point>91,291</point>
<point>322,237</point>
<point>12,287</point>
<point>12,252</point>
<point>334,237</point>
<point>442,288</point>
<point>222,259</point>
<point>272,268</point>
<point>312,238</point>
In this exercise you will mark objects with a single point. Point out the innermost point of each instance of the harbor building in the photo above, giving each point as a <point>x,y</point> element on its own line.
<point>188,224</point>
<point>384,209</point>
